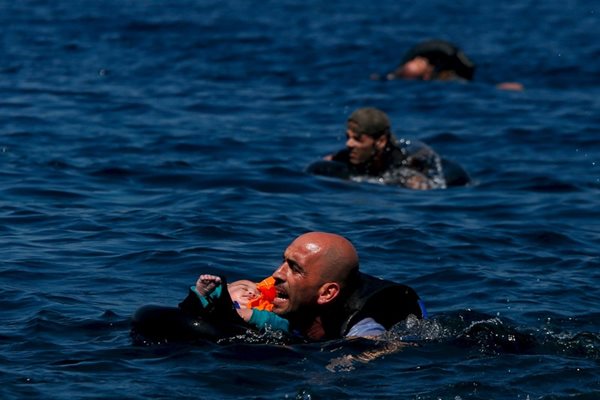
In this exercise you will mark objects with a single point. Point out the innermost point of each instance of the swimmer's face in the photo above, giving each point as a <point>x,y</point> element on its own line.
<point>417,68</point>
<point>243,291</point>
<point>362,147</point>
<point>298,278</point>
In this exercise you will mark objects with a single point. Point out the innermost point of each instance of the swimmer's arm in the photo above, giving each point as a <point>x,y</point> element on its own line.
<point>412,179</point>
<point>515,86</point>
<point>367,327</point>
<point>384,348</point>
<point>418,182</point>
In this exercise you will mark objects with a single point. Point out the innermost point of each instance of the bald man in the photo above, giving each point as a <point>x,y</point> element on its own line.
<point>324,296</point>
<point>319,290</point>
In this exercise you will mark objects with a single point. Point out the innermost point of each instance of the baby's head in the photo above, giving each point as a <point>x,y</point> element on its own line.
<point>243,291</point>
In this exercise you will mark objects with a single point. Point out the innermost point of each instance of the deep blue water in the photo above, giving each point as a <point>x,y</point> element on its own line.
<point>145,142</point>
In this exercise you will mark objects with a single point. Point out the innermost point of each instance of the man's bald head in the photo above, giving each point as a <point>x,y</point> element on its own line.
<point>316,267</point>
<point>335,258</point>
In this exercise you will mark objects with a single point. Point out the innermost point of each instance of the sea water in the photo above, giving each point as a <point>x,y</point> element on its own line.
<point>145,142</point>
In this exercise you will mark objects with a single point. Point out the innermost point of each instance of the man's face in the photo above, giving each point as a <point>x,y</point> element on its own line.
<point>298,279</point>
<point>417,68</point>
<point>362,147</point>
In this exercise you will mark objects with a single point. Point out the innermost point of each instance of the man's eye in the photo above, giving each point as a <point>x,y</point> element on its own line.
<point>293,266</point>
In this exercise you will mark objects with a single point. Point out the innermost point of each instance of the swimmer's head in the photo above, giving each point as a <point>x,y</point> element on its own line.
<point>416,68</point>
<point>435,59</point>
<point>243,291</point>
<point>368,134</point>
<point>370,121</point>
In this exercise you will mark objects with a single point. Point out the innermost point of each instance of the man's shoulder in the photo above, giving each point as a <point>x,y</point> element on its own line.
<point>341,155</point>
<point>385,301</point>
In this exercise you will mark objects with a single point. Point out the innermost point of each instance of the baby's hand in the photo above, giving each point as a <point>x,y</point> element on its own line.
<point>207,283</point>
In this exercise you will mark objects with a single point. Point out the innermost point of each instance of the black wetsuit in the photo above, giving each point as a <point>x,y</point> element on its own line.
<point>384,301</point>
<point>189,322</point>
<point>403,163</point>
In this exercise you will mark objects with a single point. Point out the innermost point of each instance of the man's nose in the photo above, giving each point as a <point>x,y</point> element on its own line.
<point>279,272</point>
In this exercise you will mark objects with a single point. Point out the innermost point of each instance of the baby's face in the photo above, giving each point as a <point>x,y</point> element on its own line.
<point>243,291</point>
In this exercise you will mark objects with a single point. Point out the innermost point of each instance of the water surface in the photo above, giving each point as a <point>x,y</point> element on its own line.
<point>143,143</point>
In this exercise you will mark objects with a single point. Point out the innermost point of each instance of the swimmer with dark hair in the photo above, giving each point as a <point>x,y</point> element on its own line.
<point>438,60</point>
<point>434,59</point>
<point>374,154</point>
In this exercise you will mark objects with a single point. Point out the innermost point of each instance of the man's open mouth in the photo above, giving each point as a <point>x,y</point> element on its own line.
<point>281,295</point>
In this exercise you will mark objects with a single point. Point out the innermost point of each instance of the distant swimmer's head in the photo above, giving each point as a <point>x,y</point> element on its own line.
<point>435,59</point>
<point>368,132</point>
<point>243,291</point>
<point>416,68</point>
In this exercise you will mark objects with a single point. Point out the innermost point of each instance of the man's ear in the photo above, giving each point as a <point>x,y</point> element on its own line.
<point>381,142</point>
<point>328,292</point>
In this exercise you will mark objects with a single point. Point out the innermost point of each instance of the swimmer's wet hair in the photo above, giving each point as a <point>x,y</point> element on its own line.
<point>371,121</point>
<point>444,56</point>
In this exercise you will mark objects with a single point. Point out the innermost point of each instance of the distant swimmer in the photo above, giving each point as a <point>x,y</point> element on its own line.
<point>435,59</point>
<point>438,60</point>
<point>373,153</point>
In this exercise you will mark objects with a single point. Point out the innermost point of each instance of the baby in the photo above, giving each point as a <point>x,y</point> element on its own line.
<point>252,301</point>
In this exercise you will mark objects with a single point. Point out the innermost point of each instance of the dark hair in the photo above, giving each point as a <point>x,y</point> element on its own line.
<point>371,121</point>
<point>444,56</point>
